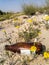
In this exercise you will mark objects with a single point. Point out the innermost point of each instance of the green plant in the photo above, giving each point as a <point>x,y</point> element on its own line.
<point>29,34</point>
<point>29,9</point>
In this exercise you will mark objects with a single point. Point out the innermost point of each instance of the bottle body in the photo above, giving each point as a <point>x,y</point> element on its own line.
<point>23,45</point>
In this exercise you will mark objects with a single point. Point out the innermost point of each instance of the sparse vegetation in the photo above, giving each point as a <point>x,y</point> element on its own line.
<point>28,35</point>
<point>31,9</point>
<point>5,15</point>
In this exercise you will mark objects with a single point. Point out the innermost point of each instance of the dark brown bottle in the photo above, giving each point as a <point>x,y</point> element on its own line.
<point>16,47</point>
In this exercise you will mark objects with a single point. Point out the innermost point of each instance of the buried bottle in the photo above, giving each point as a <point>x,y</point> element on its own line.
<point>24,47</point>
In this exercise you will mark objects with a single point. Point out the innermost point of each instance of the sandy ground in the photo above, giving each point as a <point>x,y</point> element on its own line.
<point>11,30</point>
<point>44,37</point>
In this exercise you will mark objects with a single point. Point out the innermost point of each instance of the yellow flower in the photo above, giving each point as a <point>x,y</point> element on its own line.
<point>46,55</point>
<point>3,30</point>
<point>39,33</point>
<point>29,20</point>
<point>17,26</point>
<point>33,48</point>
<point>46,18</point>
